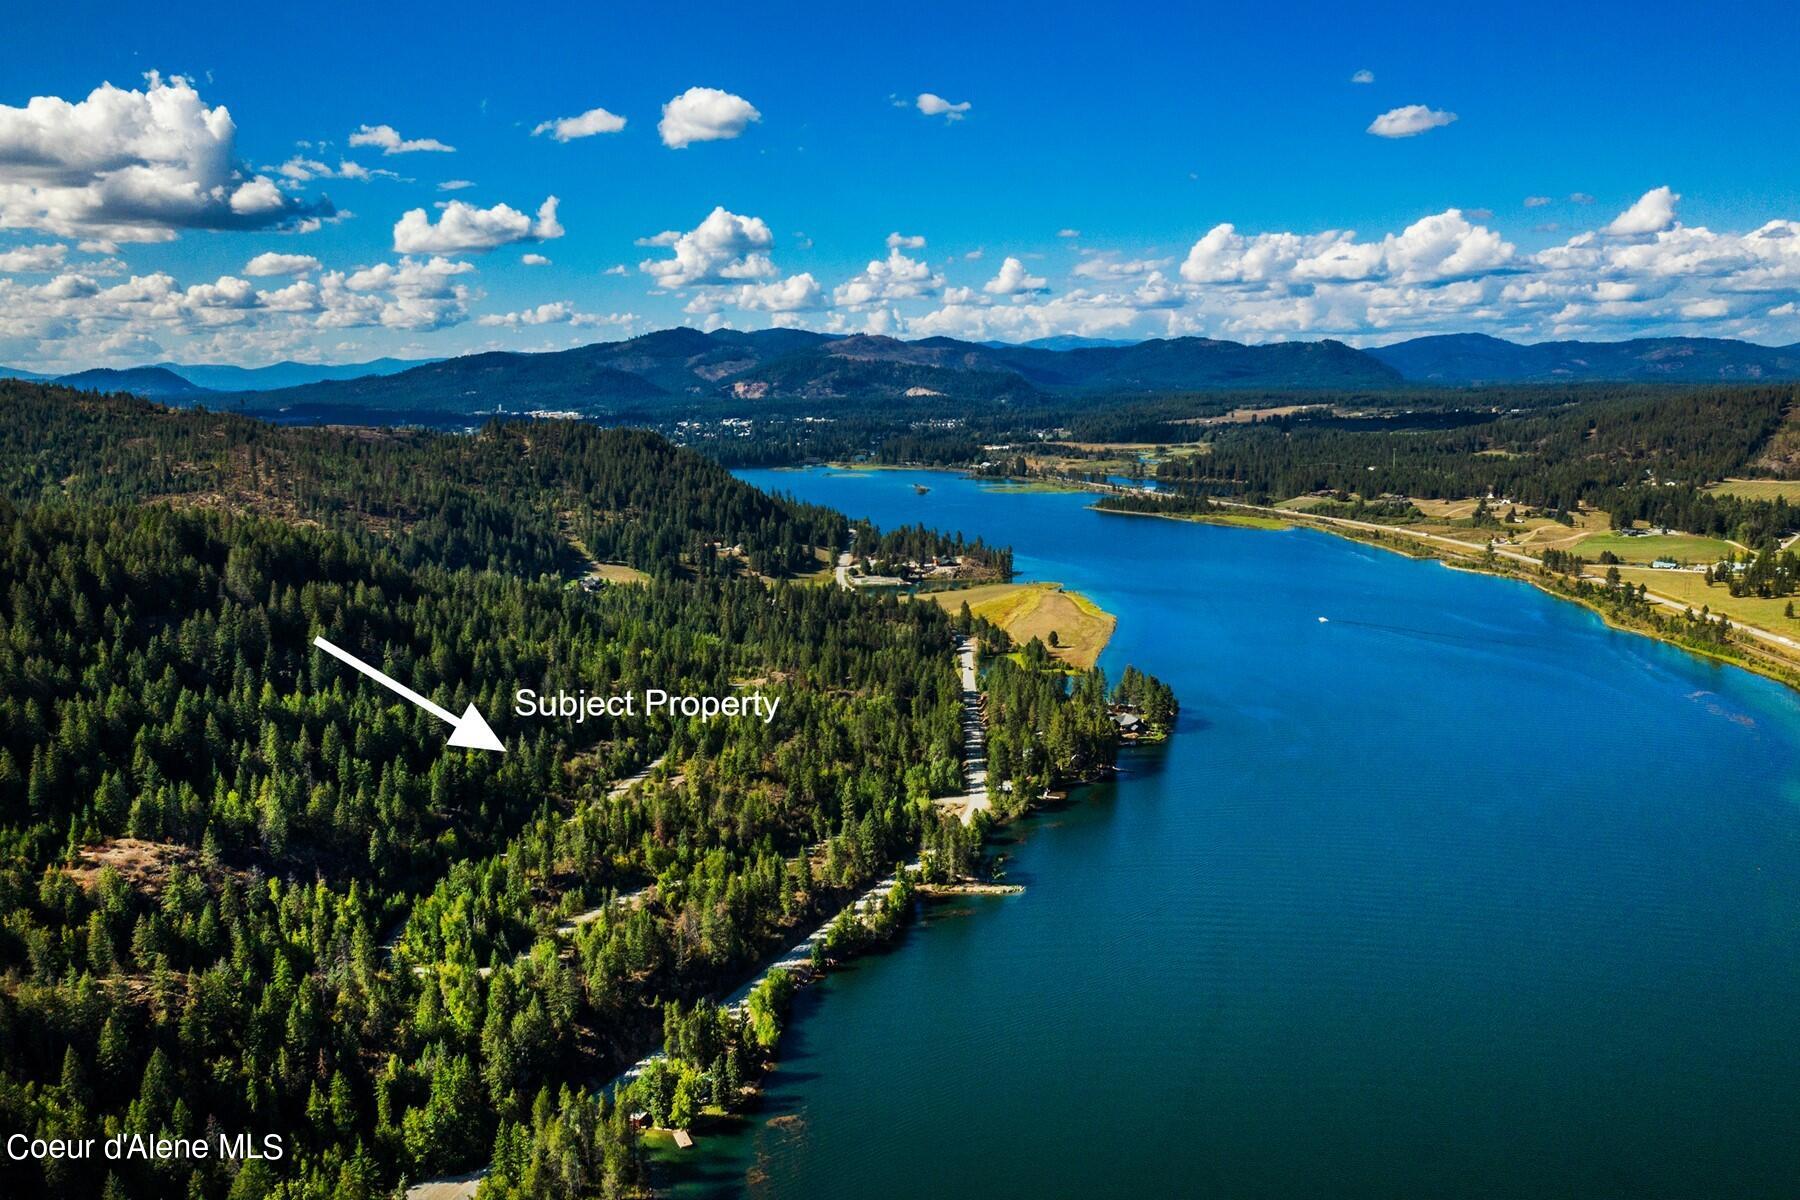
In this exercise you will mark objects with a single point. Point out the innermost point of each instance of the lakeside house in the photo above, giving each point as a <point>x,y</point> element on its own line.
<point>902,574</point>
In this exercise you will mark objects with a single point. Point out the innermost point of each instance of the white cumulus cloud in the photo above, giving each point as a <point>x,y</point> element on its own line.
<point>1110,267</point>
<point>796,293</point>
<point>1408,120</point>
<point>463,228</point>
<point>1443,246</point>
<point>885,281</point>
<point>933,105</point>
<point>1651,212</point>
<point>703,114</point>
<point>132,166</point>
<point>257,196</point>
<point>556,312</point>
<point>1014,280</point>
<point>271,263</point>
<point>45,256</point>
<point>724,248</point>
<point>587,124</point>
<point>544,314</point>
<point>389,141</point>
<point>300,169</point>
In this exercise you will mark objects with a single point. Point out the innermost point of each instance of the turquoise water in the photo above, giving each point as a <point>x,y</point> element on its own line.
<point>1460,894</point>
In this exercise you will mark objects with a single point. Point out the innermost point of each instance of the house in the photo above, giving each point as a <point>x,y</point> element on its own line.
<point>1666,564</point>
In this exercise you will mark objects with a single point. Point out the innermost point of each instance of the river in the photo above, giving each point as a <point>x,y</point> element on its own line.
<point>1456,894</point>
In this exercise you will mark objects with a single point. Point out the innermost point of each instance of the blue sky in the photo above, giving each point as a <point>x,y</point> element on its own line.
<point>1101,151</point>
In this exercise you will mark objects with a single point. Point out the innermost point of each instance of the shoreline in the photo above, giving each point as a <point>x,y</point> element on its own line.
<point>1416,546</point>
<point>1459,556</point>
<point>1223,520</point>
<point>1769,664</point>
<point>1772,668</point>
<point>802,961</point>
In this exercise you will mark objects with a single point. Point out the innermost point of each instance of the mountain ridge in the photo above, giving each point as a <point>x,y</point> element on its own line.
<point>656,374</point>
<point>1476,358</point>
<point>672,367</point>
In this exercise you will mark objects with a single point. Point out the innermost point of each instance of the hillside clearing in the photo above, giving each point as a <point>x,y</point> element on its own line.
<point>1760,489</point>
<point>1028,610</point>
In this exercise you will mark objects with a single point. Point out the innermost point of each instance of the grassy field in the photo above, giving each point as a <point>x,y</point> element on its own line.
<point>1115,458</point>
<point>1036,485</point>
<point>1546,534</point>
<point>1028,610</point>
<point>1242,520</point>
<point>1761,489</point>
<point>619,573</point>
<point>1239,519</point>
<point>1448,510</point>
<point>1693,589</point>
<point>1681,547</point>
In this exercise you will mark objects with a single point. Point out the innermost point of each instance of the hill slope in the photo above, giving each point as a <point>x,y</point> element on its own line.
<point>154,382</point>
<point>663,373</point>
<point>677,372</point>
<point>223,377</point>
<point>1471,358</point>
<point>521,498</point>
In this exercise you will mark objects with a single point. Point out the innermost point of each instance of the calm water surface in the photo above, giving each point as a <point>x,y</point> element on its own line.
<point>1459,894</point>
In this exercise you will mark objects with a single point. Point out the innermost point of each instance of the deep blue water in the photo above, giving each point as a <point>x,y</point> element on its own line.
<point>1460,894</point>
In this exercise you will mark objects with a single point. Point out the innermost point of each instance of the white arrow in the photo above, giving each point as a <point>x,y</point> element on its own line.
<point>469,731</point>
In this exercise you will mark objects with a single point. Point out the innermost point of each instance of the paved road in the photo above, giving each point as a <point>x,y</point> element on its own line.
<point>975,776</point>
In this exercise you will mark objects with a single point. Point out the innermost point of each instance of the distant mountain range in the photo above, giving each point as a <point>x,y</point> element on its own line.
<point>169,380</point>
<point>676,368</point>
<point>156,383</point>
<point>661,373</point>
<point>1473,358</point>
<point>221,377</point>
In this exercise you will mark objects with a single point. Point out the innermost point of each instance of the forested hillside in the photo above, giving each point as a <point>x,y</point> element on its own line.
<point>245,891</point>
<point>1641,454</point>
<point>684,373</point>
<point>524,498</point>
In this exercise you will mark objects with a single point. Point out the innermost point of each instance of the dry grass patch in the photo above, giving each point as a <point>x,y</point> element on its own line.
<point>1761,489</point>
<point>1028,610</point>
<point>143,865</point>
<point>619,573</point>
<point>1691,588</point>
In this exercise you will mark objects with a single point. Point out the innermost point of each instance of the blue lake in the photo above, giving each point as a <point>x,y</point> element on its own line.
<point>1457,894</point>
